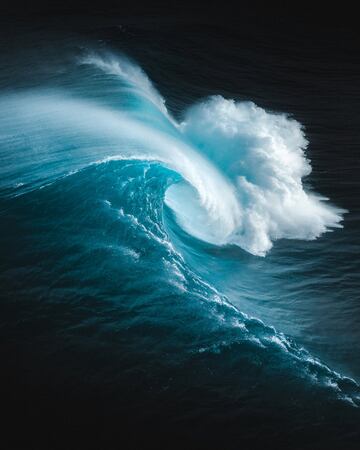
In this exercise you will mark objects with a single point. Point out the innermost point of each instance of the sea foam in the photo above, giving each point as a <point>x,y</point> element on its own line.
<point>262,153</point>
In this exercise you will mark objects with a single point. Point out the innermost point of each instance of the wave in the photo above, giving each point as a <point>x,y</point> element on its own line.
<point>231,172</point>
<point>242,167</point>
<point>261,153</point>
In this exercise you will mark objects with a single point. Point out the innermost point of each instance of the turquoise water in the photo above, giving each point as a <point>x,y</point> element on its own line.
<point>170,269</point>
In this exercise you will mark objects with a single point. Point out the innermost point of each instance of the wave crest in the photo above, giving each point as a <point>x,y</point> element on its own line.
<point>242,167</point>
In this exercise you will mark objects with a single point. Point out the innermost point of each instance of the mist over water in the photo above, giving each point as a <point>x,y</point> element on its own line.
<point>169,263</point>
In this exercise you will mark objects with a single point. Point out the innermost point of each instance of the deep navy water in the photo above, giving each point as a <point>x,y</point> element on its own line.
<point>179,233</point>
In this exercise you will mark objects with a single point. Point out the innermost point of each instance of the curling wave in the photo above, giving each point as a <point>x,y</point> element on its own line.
<point>229,171</point>
<point>242,167</point>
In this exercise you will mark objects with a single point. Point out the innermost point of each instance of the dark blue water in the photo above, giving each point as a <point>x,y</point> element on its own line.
<point>179,234</point>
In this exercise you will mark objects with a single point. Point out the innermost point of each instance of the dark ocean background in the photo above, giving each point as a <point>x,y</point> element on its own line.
<point>133,314</point>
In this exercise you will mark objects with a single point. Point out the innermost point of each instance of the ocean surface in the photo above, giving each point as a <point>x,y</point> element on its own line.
<point>179,233</point>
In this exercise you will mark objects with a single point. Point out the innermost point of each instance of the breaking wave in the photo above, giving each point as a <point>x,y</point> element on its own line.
<point>242,167</point>
<point>231,173</point>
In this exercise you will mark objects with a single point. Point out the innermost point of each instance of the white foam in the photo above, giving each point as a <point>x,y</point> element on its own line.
<point>262,154</point>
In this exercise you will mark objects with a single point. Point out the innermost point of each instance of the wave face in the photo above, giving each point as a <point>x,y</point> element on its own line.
<point>112,206</point>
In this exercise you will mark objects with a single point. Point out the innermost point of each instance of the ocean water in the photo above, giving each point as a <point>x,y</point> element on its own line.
<point>179,234</point>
